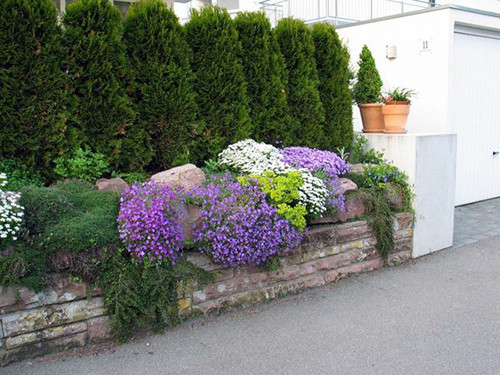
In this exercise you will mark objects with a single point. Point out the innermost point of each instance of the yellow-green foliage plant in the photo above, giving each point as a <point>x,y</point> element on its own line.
<point>282,191</point>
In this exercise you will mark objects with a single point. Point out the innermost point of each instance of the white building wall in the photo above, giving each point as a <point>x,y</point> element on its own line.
<point>486,5</point>
<point>441,106</point>
<point>424,70</point>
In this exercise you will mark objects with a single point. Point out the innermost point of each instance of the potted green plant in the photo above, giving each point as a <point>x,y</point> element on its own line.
<point>396,109</point>
<point>366,93</point>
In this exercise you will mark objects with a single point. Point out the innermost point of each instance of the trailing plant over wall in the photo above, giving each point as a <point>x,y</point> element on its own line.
<point>34,96</point>
<point>137,295</point>
<point>265,75</point>
<point>296,44</point>
<point>92,36</point>
<point>369,84</point>
<point>159,60</point>
<point>219,80</point>
<point>332,61</point>
<point>381,219</point>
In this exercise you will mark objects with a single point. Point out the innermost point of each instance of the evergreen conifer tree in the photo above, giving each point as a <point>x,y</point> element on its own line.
<point>97,67</point>
<point>159,59</point>
<point>219,80</point>
<point>332,61</point>
<point>296,44</point>
<point>34,97</point>
<point>368,84</point>
<point>264,71</point>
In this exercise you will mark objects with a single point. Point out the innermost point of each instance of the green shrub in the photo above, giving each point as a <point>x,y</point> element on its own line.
<point>296,44</point>
<point>219,80</point>
<point>159,59</point>
<point>368,85</point>
<point>265,75</point>
<point>19,175</point>
<point>69,224</point>
<point>34,98</point>
<point>332,61</point>
<point>360,153</point>
<point>97,67</point>
<point>83,164</point>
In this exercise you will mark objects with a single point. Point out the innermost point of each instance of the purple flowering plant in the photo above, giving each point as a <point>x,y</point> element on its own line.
<point>149,222</point>
<point>315,160</point>
<point>324,164</point>
<point>239,227</point>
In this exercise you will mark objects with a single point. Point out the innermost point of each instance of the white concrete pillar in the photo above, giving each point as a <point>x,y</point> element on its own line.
<point>430,162</point>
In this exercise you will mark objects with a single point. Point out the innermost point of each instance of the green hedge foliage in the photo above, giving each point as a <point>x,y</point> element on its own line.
<point>219,79</point>
<point>152,94</point>
<point>296,43</point>
<point>265,75</point>
<point>332,61</point>
<point>34,97</point>
<point>159,59</point>
<point>97,68</point>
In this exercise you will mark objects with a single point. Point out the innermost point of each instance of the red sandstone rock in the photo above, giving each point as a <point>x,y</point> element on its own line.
<point>187,176</point>
<point>117,184</point>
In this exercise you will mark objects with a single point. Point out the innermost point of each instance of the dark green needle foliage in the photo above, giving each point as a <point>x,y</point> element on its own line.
<point>34,98</point>
<point>332,61</point>
<point>219,79</point>
<point>265,75</point>
<point>296,44</point>
<point>159,59</point>
<point>368,84</point>
<point>98,71</point>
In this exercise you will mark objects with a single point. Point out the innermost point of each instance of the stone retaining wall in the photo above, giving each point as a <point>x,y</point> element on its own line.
<point>69,315</point>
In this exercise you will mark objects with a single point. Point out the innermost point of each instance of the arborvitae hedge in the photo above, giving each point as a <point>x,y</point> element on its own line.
<point>97,68</point>
<point>368,85</point>
<point>296,44</point>
<point>219,80</point>
<point>265,75</point>
<point>33,89</point>
<point>332,61</point>
<point>159,59</point>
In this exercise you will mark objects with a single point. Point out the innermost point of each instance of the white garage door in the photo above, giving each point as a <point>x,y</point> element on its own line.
<point>475,113</point>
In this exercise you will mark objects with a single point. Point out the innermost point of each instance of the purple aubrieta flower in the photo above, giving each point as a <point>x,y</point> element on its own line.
<point>238,226</point>
<point>314,160</point>
<point>150,224</point>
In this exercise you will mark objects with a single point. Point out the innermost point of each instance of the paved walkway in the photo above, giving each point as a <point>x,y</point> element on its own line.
<point>437,316</point>
<point>476,222</point>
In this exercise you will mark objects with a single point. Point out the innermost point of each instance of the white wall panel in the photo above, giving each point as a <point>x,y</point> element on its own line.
<point>475,114</point>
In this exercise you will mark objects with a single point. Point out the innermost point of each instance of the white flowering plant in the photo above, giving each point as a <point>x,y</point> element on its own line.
<point>251,157</point>
<point>11,214</point>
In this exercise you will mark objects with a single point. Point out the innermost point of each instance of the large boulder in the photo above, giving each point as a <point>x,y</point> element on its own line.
<point>117,184</point>
<point>354,208</point>
<point>186,176</point>
<point>346,185</point>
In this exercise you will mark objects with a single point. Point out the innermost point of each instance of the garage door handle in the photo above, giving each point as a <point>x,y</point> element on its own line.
<point>495,153</point>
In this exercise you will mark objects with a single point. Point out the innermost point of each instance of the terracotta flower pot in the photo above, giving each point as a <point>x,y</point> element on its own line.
<point>395,116</point>
<point>371,115</point>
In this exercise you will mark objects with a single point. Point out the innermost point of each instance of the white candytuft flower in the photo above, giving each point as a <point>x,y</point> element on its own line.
<point>251,157</point>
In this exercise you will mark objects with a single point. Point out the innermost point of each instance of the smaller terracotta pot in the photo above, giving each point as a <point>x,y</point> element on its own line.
<point>371,115</point>
<point>395,116</point>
